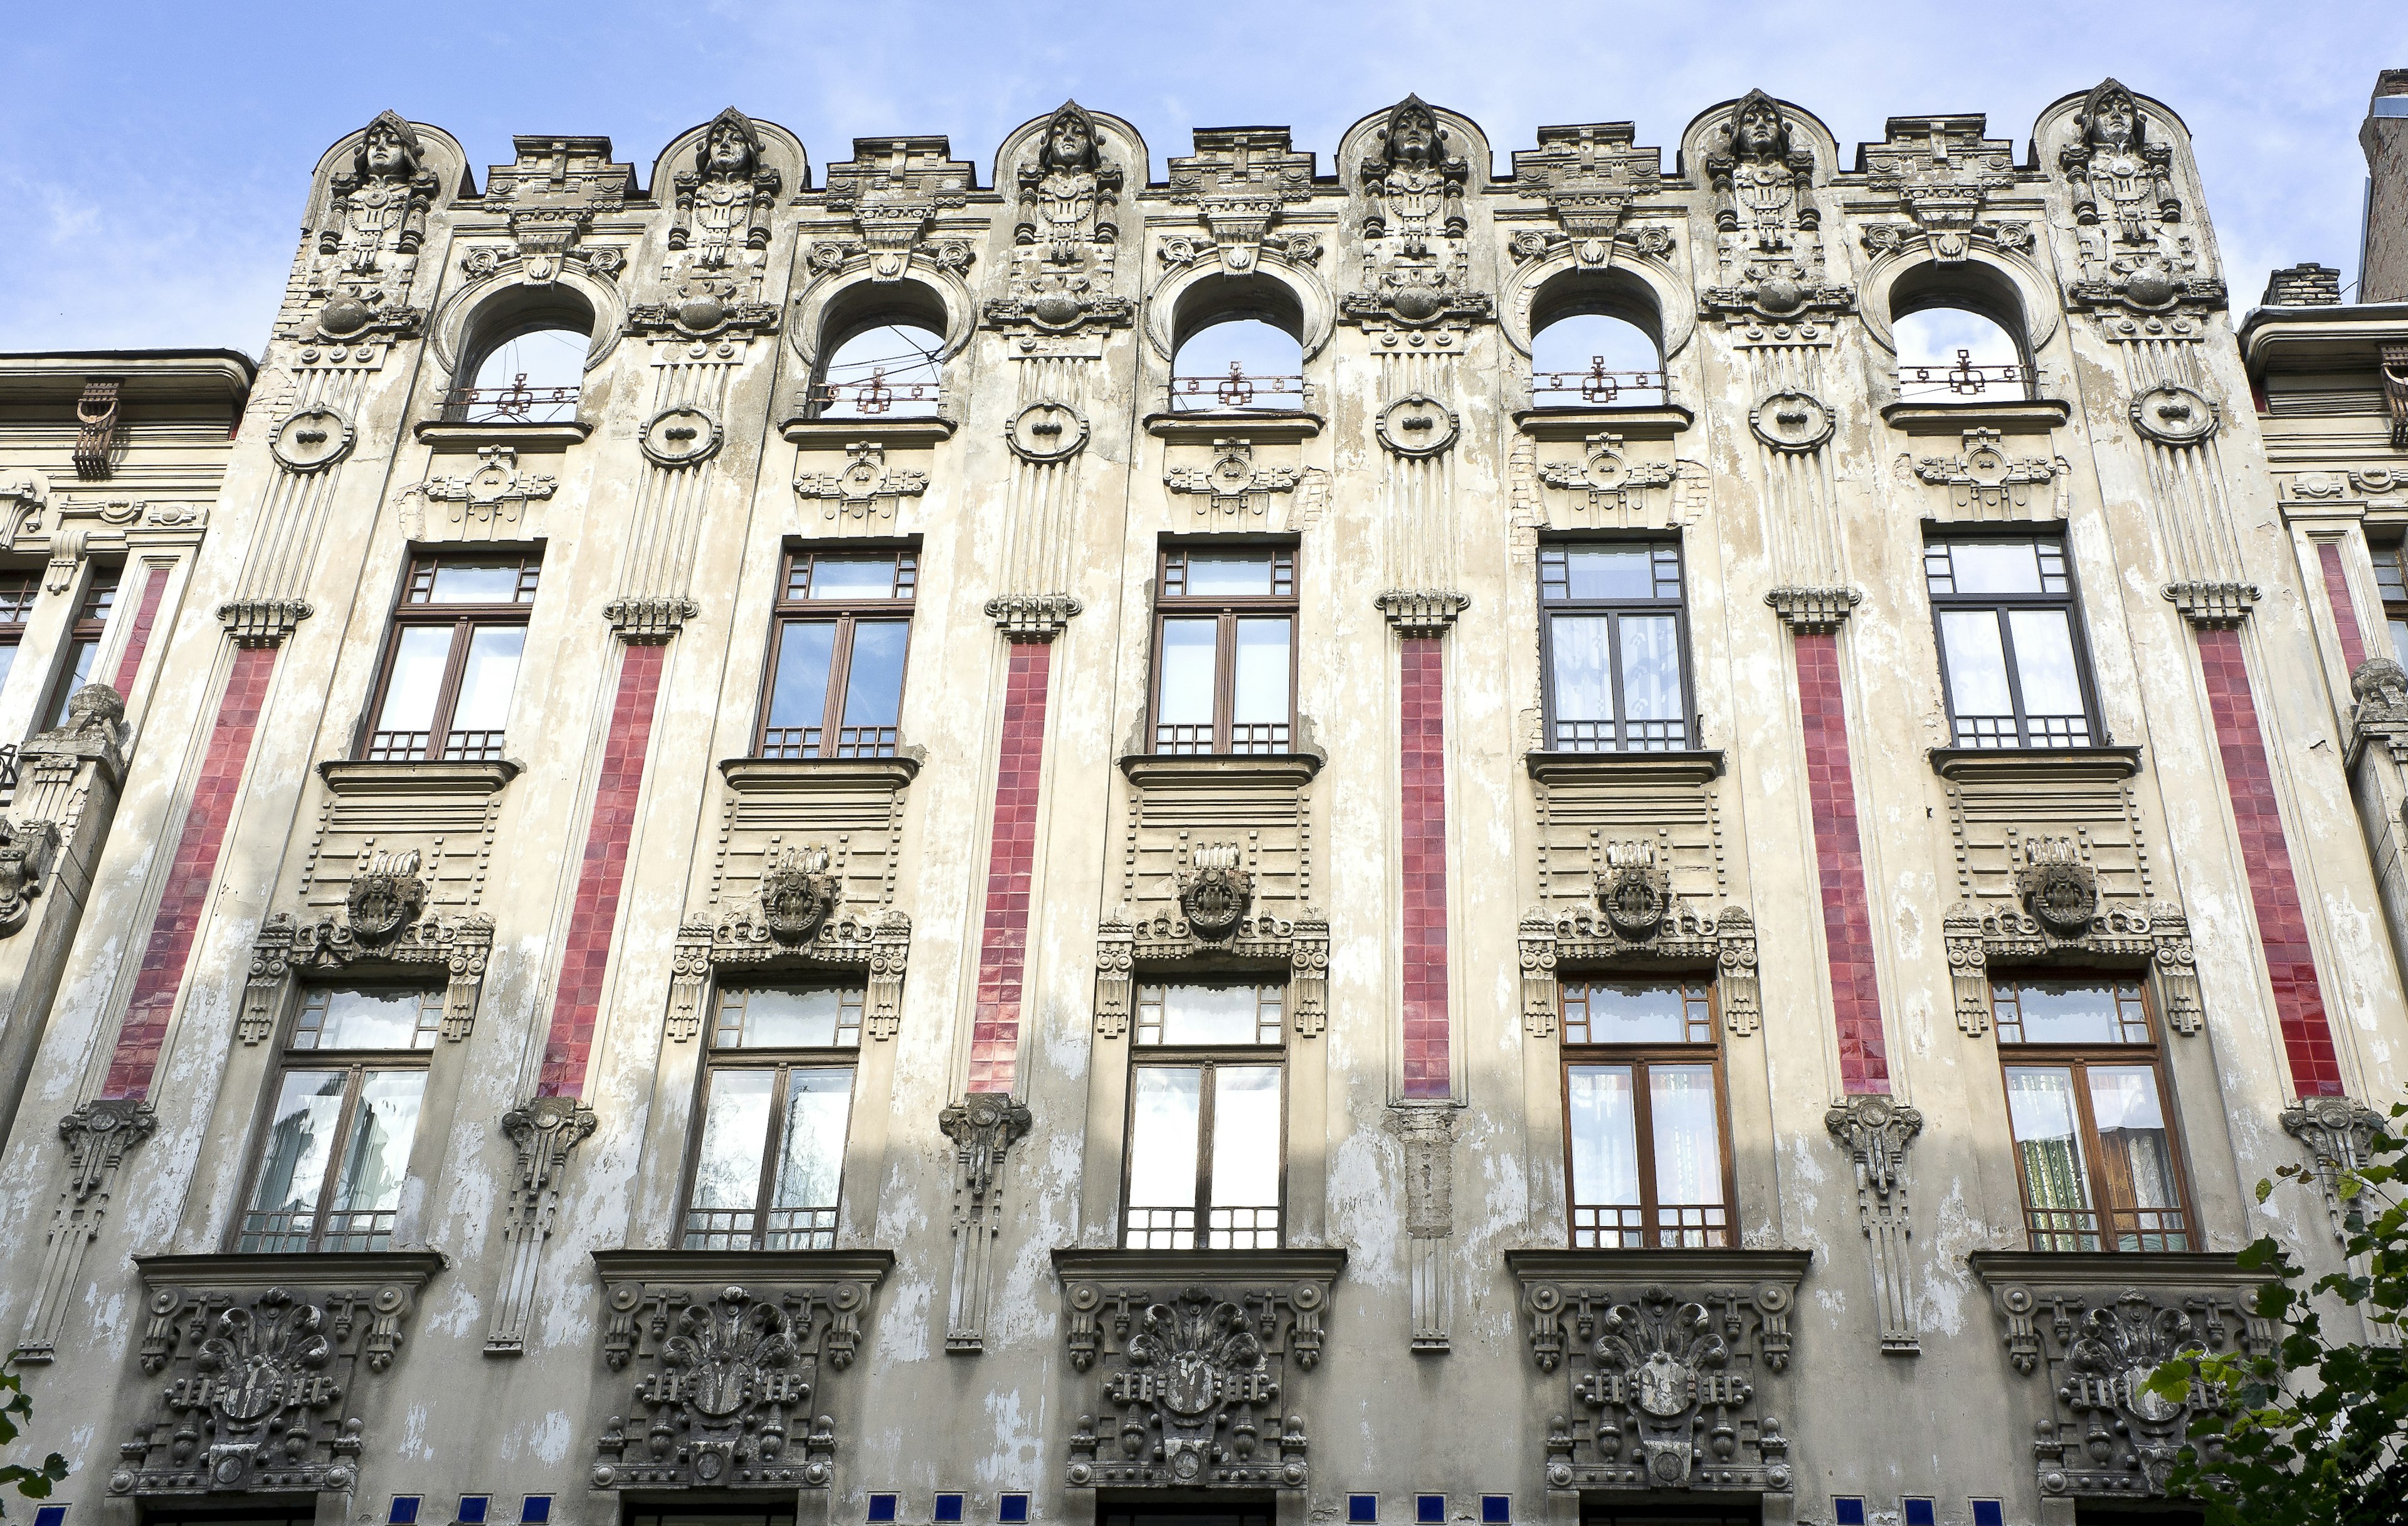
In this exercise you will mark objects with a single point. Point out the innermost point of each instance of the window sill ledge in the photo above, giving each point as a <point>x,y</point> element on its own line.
<point>1666,1266</point>
<point>1262,426</point>
<point>354,776</point>
<point>2033,416</point>
<point>2111,1268</point>
<point>744,775</point>
<point>1286,1264</point>
<point>2034,764</point>
<point>1145,768</point>
<point>1657,421</point>
<point>1689,766</point>
<point>448,439</point>
<point>413,1269</point>
<point>900,434</point>
<point>739,1266</point>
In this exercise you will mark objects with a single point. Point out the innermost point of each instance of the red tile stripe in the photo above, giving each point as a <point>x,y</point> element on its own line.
<point>2353,646</point>
<point>1003,944</point>
<point>2282,931</point>
<point>193,875</point>
<point>1422,743</point>
<point>577,1005</point>
<point>137,641</point>
<point>1839,854</point>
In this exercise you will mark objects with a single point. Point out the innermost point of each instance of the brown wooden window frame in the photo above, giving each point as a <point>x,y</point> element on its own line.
<point>2030,732</point>
<point>411,612</point>
<point>1622,733</point>
<point>1172,602</point>
<point>2391,579</point>
<point>80,648</point>
<point>1210,1059</point>
<point>2106,1230</point>
<point>782,1061</point>
<point>832,738</point>
<point>1701,1003</point>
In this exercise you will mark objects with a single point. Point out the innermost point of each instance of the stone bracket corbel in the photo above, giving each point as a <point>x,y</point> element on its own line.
<point>983,1127</point>
<point>544,1130</point>
<point>2339,1133</point>
<point>1426,1130</point>
<point>98,1136</point>
<point>1876,1132</point>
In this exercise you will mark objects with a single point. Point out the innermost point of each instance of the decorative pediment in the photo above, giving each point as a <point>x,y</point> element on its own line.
<point>383,936</point>
<point>872,946</point>
<point>552,194</point>
<point>1198,1360</point>
<point>1240,180</point>
<point>1943,170</point>
<point>894,189</point>
<point>1683,936</point>
<point>1676,1364</point>
<point>271,1364</point>
<point>1589,175</point>
<point>733,1357</point>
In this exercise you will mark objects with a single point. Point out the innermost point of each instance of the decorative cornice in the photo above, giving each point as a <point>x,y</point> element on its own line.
<point>649,621</point>
<point>263,622</point>
<point>1814,612</point>
<point>1422,613</point>
<point>2213,606</point>
<point>1032,617</point>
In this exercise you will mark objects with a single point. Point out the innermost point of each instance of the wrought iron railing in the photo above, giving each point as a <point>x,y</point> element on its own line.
<point>1596,387</point>
<point>1236,391</point>
<point>1963,380</point>
<point>875,396</point>
<point>517,403</point>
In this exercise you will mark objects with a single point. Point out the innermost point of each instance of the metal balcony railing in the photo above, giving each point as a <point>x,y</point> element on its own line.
<point>1596,387</point>
<point>517,403</point>
<point>1964,379</point>
<point>1238,392</point>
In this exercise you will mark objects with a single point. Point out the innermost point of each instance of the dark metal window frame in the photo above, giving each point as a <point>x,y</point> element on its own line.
<point>1172,602</point>
<point>830,738</point>
<point>2391,581</point>
<point>1653,1232</point>
<point>783,1061</point>
<point>2068,601</point>
<point>410,613</point>
<point>1552,554</point>
<point>2106,1221</point>
<point>1209,1058</point>
<point>355,1064</point>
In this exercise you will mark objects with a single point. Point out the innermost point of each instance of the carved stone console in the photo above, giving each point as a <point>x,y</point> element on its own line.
<point>729,1355</point>
<point>268,1362</point>
<point>1675,1362</point>
<point>1196,1358</point>
<point>2091,1328</point>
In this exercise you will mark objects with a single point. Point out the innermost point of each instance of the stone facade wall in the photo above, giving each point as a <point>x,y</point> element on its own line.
<point>1418,866</point>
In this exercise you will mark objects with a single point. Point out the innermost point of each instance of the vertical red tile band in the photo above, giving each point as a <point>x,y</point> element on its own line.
<point>2290,963</point>
<point>576,1004</point>
<point>191,877</point>
<point>137,641</point>
<point>2353,645</point>
<point>1422,742</point>
<point>1840,859</point>
<point>1003,942</point>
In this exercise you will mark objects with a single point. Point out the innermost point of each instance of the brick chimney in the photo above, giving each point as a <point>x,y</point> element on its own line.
<point>2384,264</point>
<point>2304,286</point>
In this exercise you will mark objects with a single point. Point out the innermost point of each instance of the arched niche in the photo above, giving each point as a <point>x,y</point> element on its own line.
<point>2002,286</point>
<point>1641,289</point>
<point>1201,293</point>
<point>491,310</point>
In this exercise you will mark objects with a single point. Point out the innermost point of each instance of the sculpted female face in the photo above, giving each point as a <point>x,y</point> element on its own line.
<point>385,153</point>
<point>1759,130</point>
<point>1071,144</point>
<point>1414,137</point>
<point>2112,126</point>
<point>728,153</point>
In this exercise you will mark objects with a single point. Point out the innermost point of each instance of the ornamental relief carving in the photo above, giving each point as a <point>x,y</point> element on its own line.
<point>872,947</point>
<point>1683,936</point>
<point>1943,172</point>
<point>711,280</point>
<point>1588,176</point>
<point>384,930</point>
<point>1985,483</point>
<point>1064,233</point>
<point>895,191</point>
<point>2138,254</point>
<point>1242,181</point>
<point>1416,271</point>
<point>370,238</point>
<point>1769,257</point>
<point>1234,938</point>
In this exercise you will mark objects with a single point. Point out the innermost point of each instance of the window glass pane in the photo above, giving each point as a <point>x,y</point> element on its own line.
<point>1187,672</point>
<point>78,673</point>
<point>476,583</point>
<point>2398,642</point>
<point>2044,661</point>
<point>2136,1163</point>
<point>873,690</point>
<point>8,658</point>
<point>1584,667</point>
<point>1610,572</point>
<point>1262,670</point>
<point>798,697</point>
<point>1604,1136</point>
<point>851,577</point>
<point>377,1156</point>
<point>2069,1012</point>
<point>735,1132</point>
<point>1635,1012</point>
<point>487,680</point>
<point>1162,1127</point>
<point>418,659</point>
<point>1229,574</point>
<point>1977,663</point>
<point>817,1101</point>
<point>1995,567</point>
<point>2039,1111</point>
<point>1651,668</point>
<point>1208,1014</point>
<point>365,1020</point>
<point>300,1145</point>
<point>1246,1136</point>
<point>1688,1136</point>
<point>784,1017</point>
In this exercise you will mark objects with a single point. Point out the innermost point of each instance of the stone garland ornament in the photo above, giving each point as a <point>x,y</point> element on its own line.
<point>312,439</point>
<point>1792,422</point>
<point>1418,425</point>
<point>1046,431</point>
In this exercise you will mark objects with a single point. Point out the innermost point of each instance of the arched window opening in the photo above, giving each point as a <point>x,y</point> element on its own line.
<point>525,359</point>
<point>895,370</point>
<point>1956,338</point>
<point>1239,349</point>
<point>1597,340</point>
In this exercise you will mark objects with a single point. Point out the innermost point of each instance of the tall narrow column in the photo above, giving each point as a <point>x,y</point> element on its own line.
<point>2344,612</point>
<point>137,641</point>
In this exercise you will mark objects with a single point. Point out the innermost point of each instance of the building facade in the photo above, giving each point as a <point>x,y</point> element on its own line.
<point>1135,943</point>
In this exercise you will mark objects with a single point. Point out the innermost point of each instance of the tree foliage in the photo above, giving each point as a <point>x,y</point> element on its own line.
<point>2316,1430</point>
<point>34,1482</point>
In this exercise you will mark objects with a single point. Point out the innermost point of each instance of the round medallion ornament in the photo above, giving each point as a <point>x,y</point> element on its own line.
<point>701,315</point>
<point>2174,416</point>
<point>312,439</point>
<point>1635,901</point>
<point>1418,424</point>
<point>684,436</point>
<point>2149,287</point>
<point>2156,1408</point>
<point>344,317</point>
<point>1792,422</point>
<point>1047,432</point>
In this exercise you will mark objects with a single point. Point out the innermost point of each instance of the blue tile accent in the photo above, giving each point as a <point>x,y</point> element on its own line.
<point>473,1508</point>
<point>1495,1510</point>
<point>1848,1509</point>
<point>50,1515</point>
<point>536,1510</point>
<point>1430,1509</point>
<point>882,1506</point>
<point>1989,1513</point>
<point>1012,1509</point>
<point>1362,1509</point>
<point>1918,1512</point>
<point>949,1507</point>
<point>404,1511</point>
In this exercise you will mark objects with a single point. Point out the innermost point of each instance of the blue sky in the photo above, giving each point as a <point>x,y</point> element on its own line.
<point>153,158</point>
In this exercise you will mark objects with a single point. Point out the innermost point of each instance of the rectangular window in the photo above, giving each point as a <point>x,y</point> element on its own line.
<point>330,1168</point>
<point>1615,635</point>
<point>2395,595</point>
<point>18,591</point>
<point>1225,650</point>
<point>835,658</point>
<point>777,1100</point>
<point>1649,1161</point>
<point>2086,1103</point>
<point>82,644</point>
<point>454,661</point>
<point>1207,1120</point>
<point>2011,654</point>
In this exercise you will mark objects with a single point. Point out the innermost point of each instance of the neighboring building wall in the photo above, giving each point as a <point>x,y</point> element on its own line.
<point>1406,861</point>
<point>2383,267</point>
